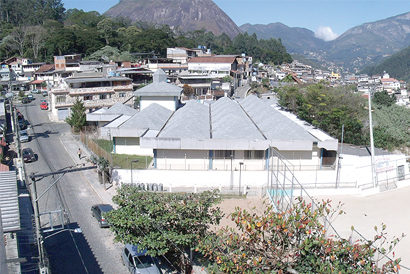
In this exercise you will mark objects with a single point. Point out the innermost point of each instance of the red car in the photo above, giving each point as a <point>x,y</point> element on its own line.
<point>44,105</point>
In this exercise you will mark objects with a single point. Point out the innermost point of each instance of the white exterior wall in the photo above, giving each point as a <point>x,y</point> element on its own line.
<point>131,146</point>
<point>167,102</point>
<point>210,68</point>
<point>199,160</point>
<point>183,159</point>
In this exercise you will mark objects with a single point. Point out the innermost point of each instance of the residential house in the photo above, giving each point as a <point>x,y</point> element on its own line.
<point>218,65</point>
<point>44,74</point>
<point>95,92</point>
<point>70,62</point>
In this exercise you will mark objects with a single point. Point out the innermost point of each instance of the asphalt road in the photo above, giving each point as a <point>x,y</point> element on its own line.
<point>93,250</point>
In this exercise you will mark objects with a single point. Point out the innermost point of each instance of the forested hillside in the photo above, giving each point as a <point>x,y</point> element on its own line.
<point>398,66</point>
<point>39,30</point>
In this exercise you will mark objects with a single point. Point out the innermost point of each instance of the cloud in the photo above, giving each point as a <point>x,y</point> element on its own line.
<point>326,34</point>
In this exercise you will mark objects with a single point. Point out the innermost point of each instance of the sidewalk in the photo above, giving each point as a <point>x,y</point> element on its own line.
<point>71,144</point>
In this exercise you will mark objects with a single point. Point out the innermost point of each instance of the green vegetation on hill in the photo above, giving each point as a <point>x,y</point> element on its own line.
<point>75,31</point>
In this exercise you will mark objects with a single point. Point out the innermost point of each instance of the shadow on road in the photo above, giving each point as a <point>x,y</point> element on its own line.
<point>69,252</point>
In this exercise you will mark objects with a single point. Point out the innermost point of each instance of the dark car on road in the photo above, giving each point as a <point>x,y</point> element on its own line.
<point>25,100</point>
<point>28,155</point>
<point>98,211</point>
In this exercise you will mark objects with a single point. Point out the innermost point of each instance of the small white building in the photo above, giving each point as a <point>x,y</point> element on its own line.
<point>126,134</point>
<point>160,92</point>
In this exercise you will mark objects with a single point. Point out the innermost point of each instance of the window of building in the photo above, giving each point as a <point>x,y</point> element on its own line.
<point>220,154</point>
<point>254,154</point>
<point>60,99</point>
<point>122,94</point>
<point>88,97</point>
<point>103,96</point>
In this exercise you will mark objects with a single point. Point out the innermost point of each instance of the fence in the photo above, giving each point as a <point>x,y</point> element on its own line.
<point>94,147</point>
<point>283,187</point>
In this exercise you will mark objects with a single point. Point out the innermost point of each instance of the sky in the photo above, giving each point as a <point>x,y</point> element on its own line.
<point>326,18</point>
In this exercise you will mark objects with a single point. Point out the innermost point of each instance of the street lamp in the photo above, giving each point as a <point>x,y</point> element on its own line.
<point>371,140</point>
<point>240,173</point>
<point>231,172</point>
<point>76,230</point>
<point>133,161</point>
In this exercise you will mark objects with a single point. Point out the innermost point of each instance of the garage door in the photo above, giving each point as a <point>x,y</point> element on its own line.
<point>62,113</point>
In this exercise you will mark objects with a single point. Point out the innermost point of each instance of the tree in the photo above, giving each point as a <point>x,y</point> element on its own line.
<point>35,39</point>
<point>293,241</point>
<point>77,118</point>
<point>188,90</point>
<point>383,98</point>
<point>105,28</point>
<point>163,223</point>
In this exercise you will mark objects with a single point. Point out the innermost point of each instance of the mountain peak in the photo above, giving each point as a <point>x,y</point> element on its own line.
<point>189,15</point>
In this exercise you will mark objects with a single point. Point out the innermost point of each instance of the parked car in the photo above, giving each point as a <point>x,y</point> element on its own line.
<point>23,124</point>
<point>45,93</point>
<point>30,96</point>
<point>44,105</point>
<point>137,261</point>
<point>35,91</point>
<point>98,211</point>
<point>24,136</point>
<point>28,155</point>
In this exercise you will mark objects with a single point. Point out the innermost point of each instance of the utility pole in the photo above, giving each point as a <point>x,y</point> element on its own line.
<point>42,264</point>
<point>37,224</point>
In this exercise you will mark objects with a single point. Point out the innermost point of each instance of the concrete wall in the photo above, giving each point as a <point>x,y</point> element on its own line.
<point>352,177</point>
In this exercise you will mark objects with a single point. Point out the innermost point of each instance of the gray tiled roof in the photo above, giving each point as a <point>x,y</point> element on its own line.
<point>159,89</point>
<point>190,121</point>
<point>152,117</point>
<point>229,121</point>
<point>120,108</point>
<point>271,122</point>
<point>9,203</point>
<point>249,124</point>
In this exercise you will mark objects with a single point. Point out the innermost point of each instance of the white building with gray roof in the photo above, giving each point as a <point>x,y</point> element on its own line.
<point>126,134</point>
<point>103,116</point>
<point>210,136</point>
<point>160,92</point>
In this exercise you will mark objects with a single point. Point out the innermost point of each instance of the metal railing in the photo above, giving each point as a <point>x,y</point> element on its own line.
<point>94,147</point>
<point>283,188</point>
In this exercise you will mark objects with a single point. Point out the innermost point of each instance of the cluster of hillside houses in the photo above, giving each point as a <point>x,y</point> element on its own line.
<point>217,131</point>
